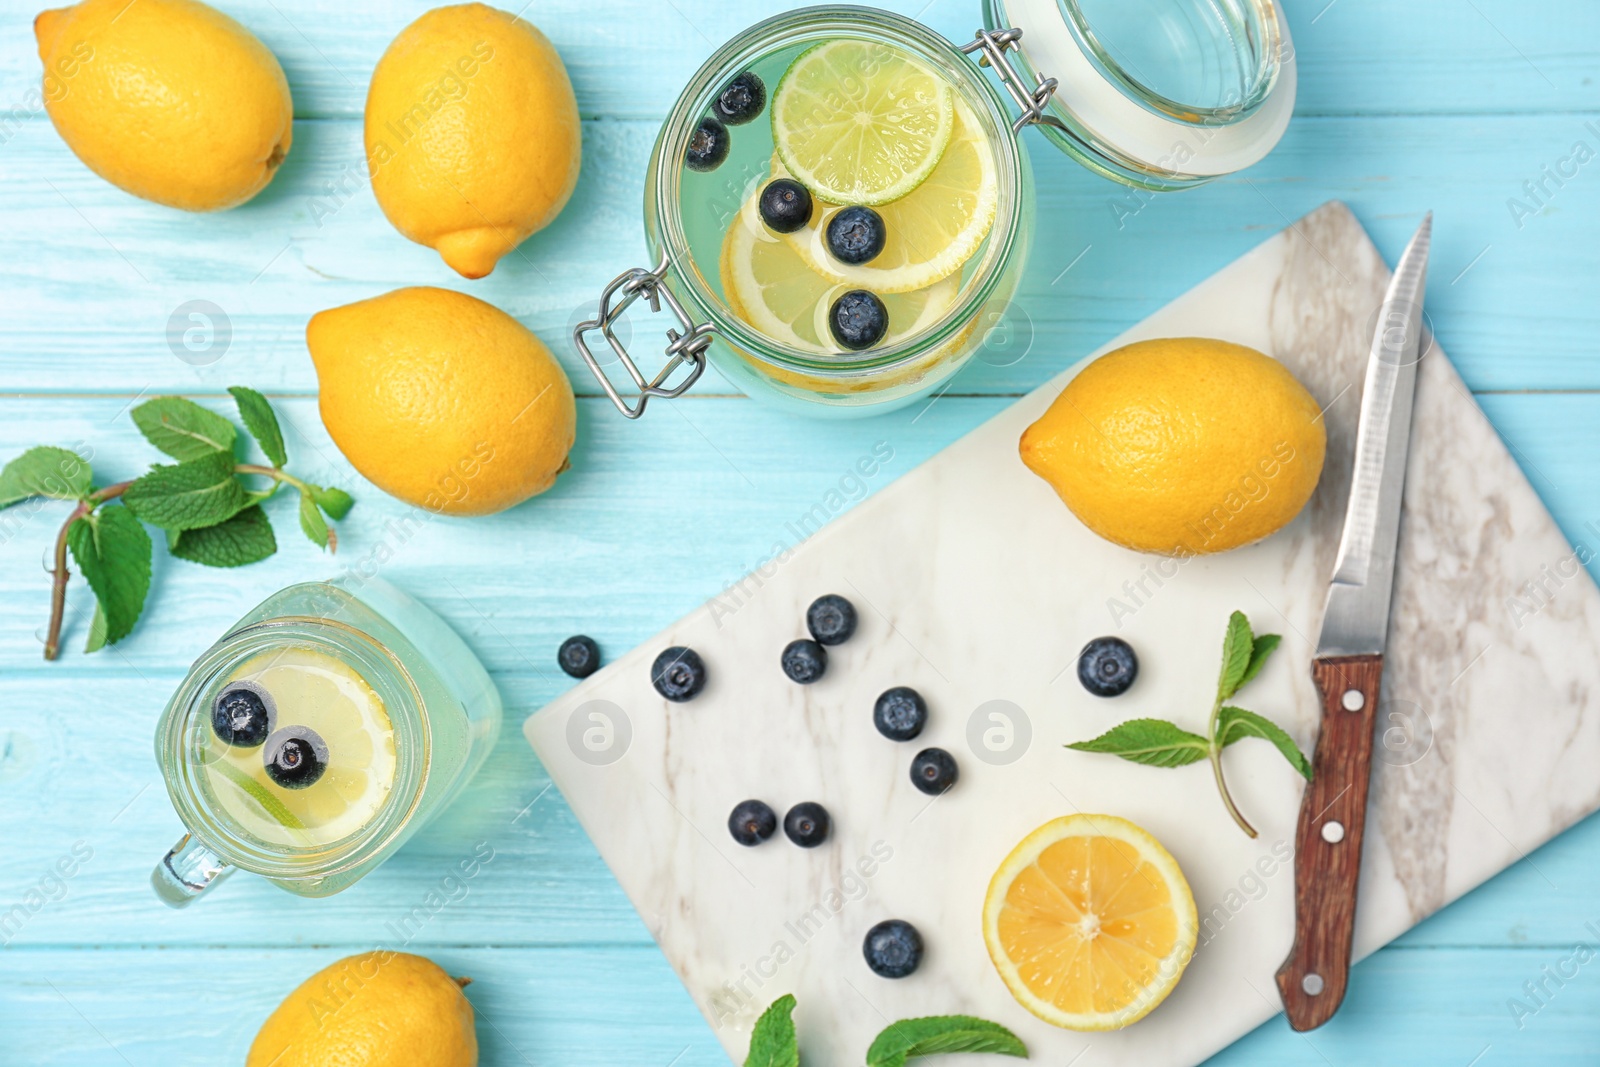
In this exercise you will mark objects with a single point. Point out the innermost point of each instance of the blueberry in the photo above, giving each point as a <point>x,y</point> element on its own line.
<point>678,674</point>
<point>295,757</point>
<point>708,145</point>
<point>1107,666</point>
<point>807,824</point>
<point>858,320</point>
<point>831,619</point>
<point>243,715</point>
<point>856,235</point>
<point>752,822</point>
<point>804,661</point>
<point>579,656</point>
<point>785,205</point>
<point>742,99</point>
<point>934,771</point>
<point>893,948</point>
<point>900,713</point>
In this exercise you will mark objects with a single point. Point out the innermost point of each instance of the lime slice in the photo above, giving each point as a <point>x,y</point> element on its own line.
<point>768,285</point>
<point>931,232</point>
<point>859,122</point>
<point>258,793</point>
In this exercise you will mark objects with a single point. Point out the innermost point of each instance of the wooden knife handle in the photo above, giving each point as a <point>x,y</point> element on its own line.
<point>1327,857</point>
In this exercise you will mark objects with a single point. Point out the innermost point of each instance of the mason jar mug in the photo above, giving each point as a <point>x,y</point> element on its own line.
<point>316,736</point>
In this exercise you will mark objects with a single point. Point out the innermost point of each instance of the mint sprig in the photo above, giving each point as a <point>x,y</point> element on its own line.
<point>1158,743</point>
<point>208,505</point>
<point>773,1042</point>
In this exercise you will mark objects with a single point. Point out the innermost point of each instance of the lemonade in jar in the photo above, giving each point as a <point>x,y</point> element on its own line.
<point>317,735</point>
<point>839,206</point>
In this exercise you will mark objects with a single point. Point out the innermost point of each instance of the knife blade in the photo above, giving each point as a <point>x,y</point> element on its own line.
<point>1348,665</point>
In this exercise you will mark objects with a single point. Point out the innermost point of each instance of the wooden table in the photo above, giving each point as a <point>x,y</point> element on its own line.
<point>1445,104</point>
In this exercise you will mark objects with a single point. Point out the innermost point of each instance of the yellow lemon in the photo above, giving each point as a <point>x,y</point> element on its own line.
<point>442,400</point>
<point>170,100</point>
<point>1181,446</point>
<point>472,134</point>
<point>378,1009</point>
<point>1090,922</point>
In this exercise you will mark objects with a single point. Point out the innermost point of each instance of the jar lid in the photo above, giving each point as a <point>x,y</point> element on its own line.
<point>1159,93</point>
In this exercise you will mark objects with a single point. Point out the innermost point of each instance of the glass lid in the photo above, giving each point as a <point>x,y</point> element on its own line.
<point>1159,93</point>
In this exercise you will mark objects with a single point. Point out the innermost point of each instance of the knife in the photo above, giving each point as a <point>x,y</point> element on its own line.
<point>1349,658</point>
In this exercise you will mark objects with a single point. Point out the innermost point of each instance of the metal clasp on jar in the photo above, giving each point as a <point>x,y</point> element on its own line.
<point>994,44</point>
<point>686,343</point>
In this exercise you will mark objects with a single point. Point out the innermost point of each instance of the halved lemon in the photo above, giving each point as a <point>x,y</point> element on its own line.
<point>768,285</point>
<point>931,232</point>
<point>1089,922</point>
<point>861,122</point>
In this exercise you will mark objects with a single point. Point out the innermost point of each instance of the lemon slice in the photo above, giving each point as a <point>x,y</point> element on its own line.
<point>859,122</point>
<point>310,689</point>
<point>931,232</point>
<point>768,285</point>
<point>1089,922</point>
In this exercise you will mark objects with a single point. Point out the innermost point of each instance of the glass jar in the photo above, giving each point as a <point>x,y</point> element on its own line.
<point>362,637</point>
<point>1218,97</point>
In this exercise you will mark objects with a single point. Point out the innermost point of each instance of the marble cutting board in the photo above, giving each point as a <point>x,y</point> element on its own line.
<point>977,587</point>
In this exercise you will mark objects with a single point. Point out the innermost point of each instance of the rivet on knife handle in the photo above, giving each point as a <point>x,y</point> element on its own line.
<point>1327,857</point>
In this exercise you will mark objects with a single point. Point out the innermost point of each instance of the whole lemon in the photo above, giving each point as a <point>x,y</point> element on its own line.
<point>170,100</point>
<point>472,134</point>
<point>378,1009</point>
<point>1181,446</point>
<point>442,400</point>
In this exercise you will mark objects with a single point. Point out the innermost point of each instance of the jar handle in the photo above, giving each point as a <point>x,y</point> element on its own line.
<point>686,343</point>
<point>993,44</point>
<point>187,870</point>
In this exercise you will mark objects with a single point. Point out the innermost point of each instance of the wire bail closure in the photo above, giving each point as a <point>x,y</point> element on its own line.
<point>686,343</point>
<point>1033,101</point>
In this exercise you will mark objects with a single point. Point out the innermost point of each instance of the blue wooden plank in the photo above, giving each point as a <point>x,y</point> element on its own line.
<point>628,60</point>
<point>645,490</point>
<point>599,1005</point>
<point>1510,294</point>
<point>621,1005</point>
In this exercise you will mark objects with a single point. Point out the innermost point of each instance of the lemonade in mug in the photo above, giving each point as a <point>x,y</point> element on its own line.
<point>316,736</point>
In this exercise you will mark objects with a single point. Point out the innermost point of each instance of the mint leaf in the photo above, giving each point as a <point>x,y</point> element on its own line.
<point>45,471</point>
<point>262,423</point>
<point>97,630</point>
<point>772,1043</point>
<point>1236,649</point>
<point>1259,651</point>
<point>200,492</point>
<point>245,538</point>
<point>939,1034</point>
<point>1152,742</point>
<point>183,429</point>
<point>336,502</point>
<point>311,521</point>
<point>113,552</point>
<point>1234,724</point>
